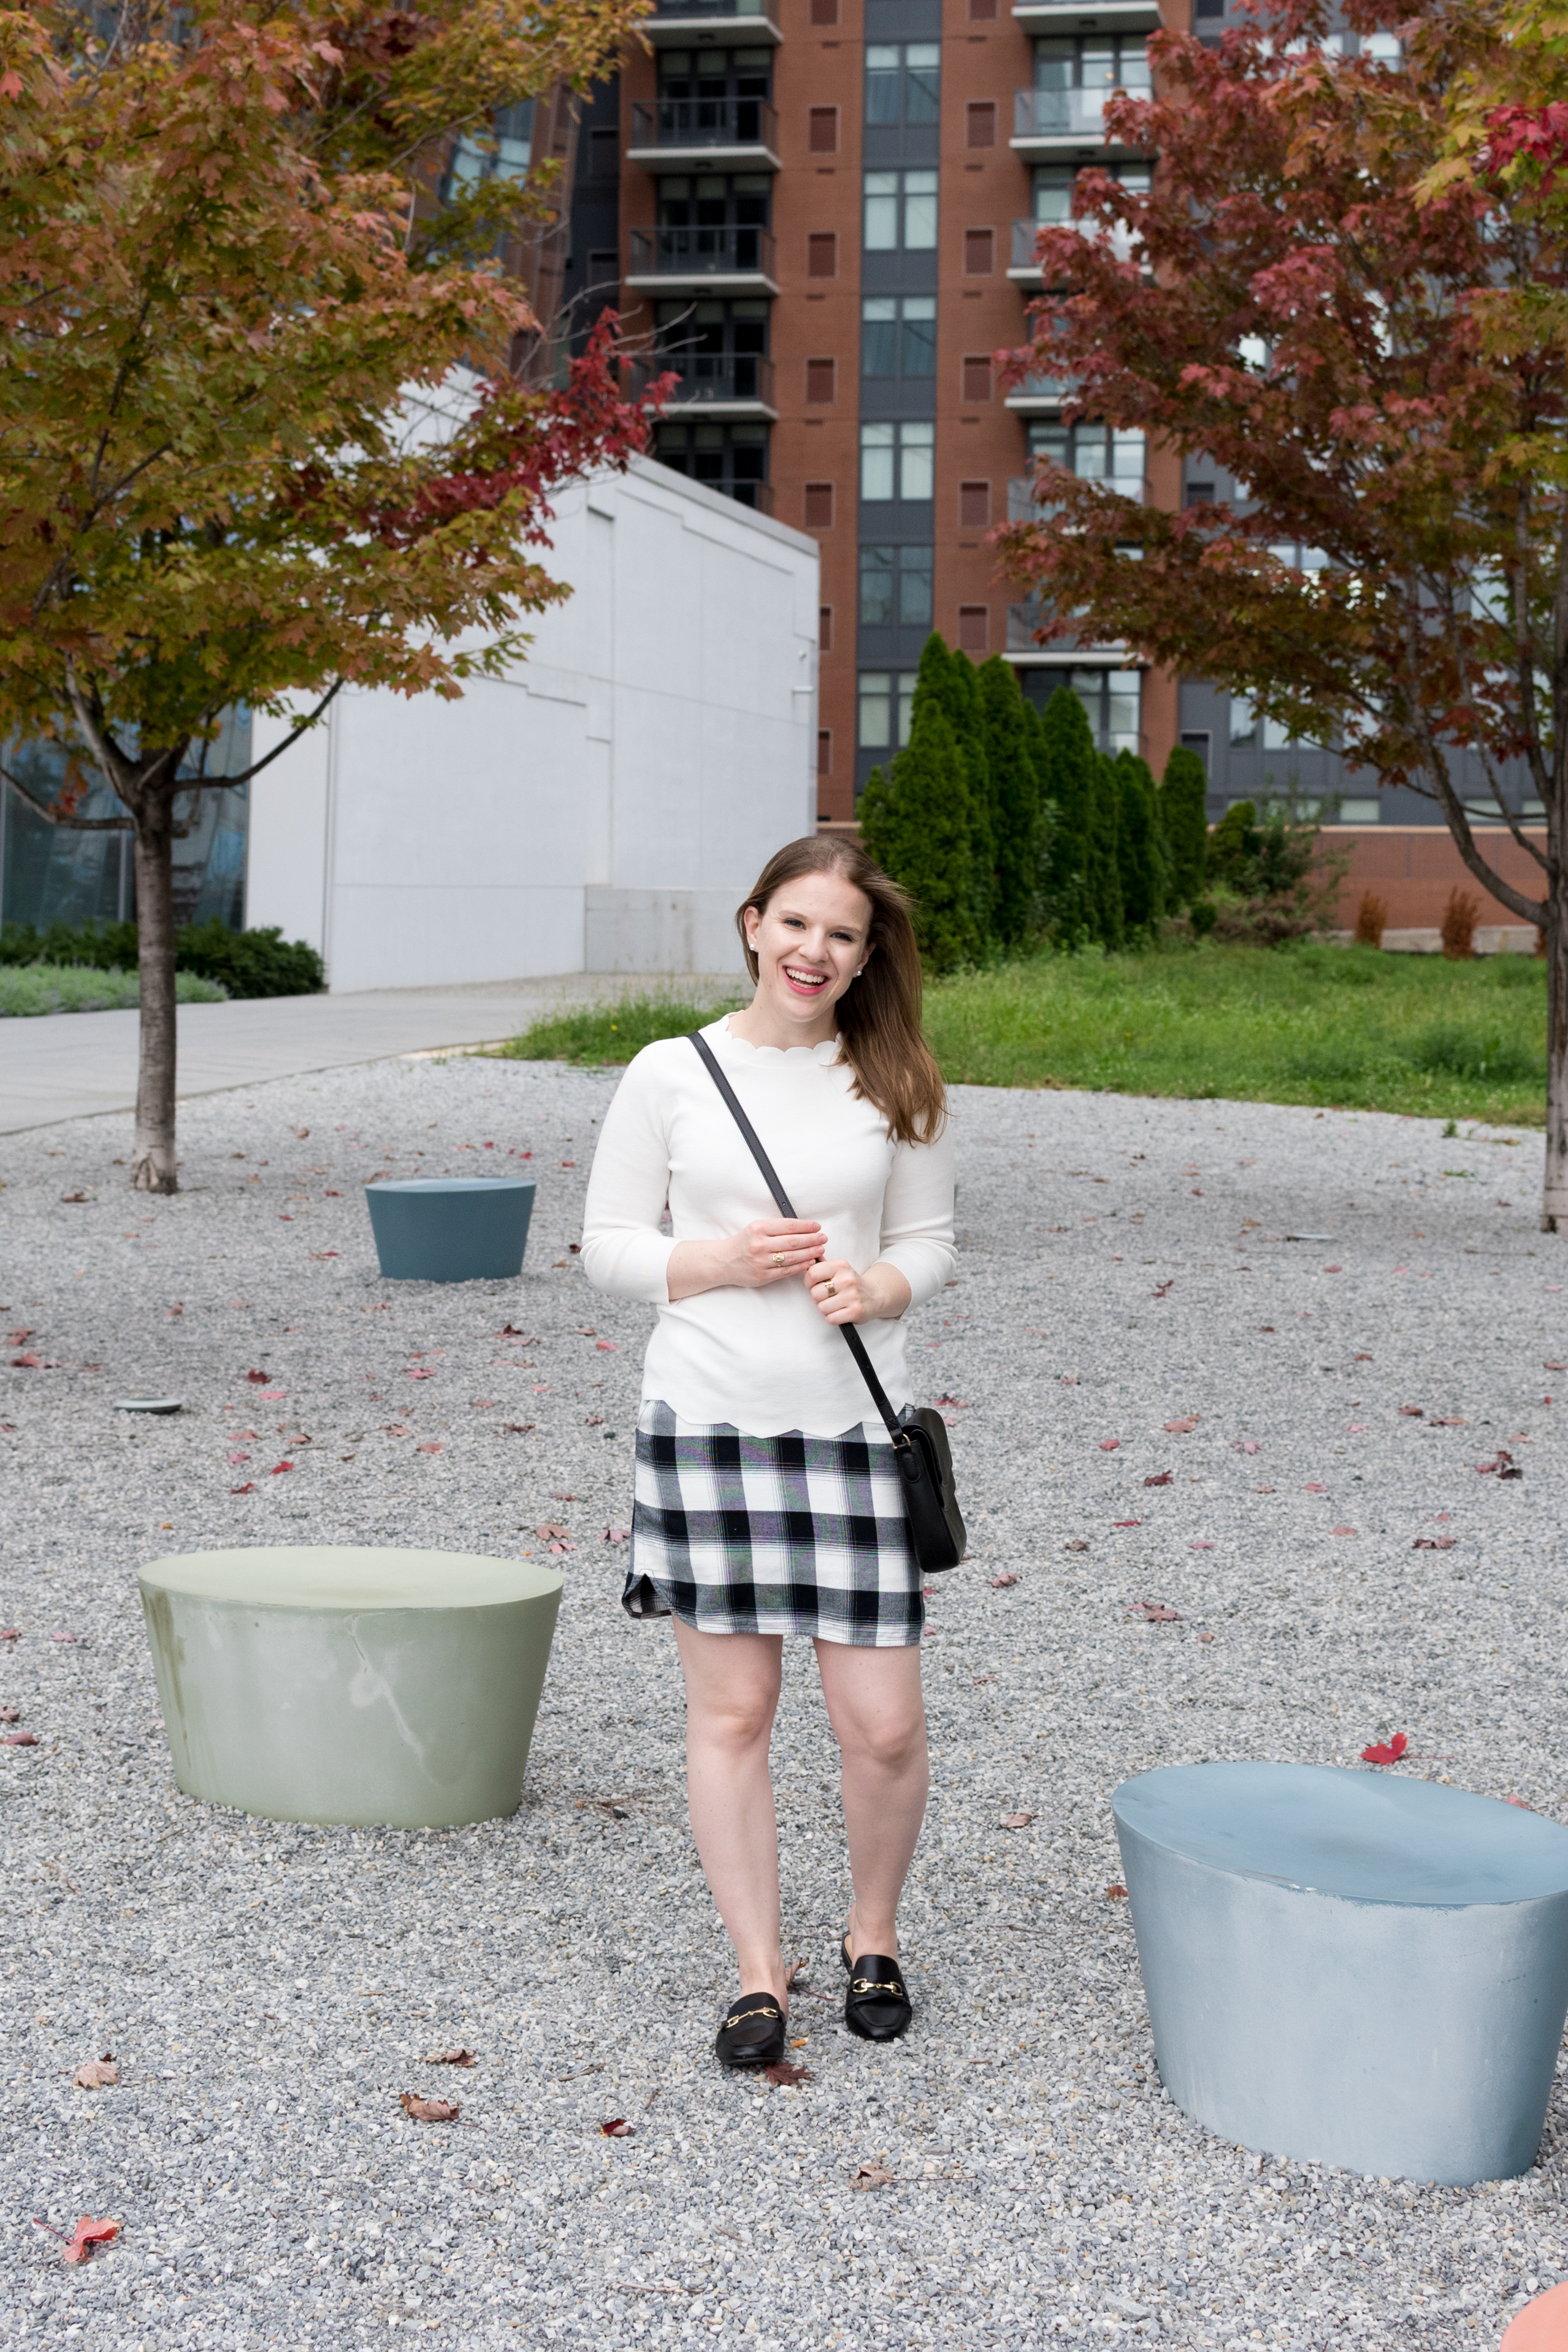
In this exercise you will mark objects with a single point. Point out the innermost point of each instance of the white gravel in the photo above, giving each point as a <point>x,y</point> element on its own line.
<point>269,1990</point>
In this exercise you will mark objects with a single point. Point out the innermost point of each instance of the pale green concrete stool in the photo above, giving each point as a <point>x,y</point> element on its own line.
<point>338,1683</point>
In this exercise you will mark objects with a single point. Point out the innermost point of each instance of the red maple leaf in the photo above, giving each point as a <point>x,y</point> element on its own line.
<point>1385,1751</point>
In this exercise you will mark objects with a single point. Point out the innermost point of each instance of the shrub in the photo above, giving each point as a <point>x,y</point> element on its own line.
<point>1459,925</point>
<point>244,964</point>
<point>1182,797</point>
<point>1066,758</point>
<point>1371,920</point>
<point>1019,814</point>
<point>1143,862</point>
<point>916,821</point>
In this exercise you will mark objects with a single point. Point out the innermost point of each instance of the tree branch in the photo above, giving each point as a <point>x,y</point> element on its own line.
<point>287,743</point>
<point>1528,911</point>
<point>53,817</point>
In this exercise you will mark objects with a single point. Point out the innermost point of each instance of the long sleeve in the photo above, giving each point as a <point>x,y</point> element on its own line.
<point>623,1251</point>
<point>917,1216</point>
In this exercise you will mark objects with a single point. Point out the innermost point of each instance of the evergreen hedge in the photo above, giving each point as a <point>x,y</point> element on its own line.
<point>247,963</point>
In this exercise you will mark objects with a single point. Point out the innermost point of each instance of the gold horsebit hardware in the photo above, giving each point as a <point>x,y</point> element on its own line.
<point>742,2014</point>
<point>864,1984</point>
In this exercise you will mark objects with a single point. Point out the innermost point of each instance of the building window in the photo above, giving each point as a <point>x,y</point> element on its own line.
<point>976,375</point>
<point>973,506</point>
<point>1072,79</point>
<point>899,212</point>
<point>505,152</point>
<point>824,12</point>
<point>1199,741</point>
<point>729,457</point>
<point>896,587</point>
<point>898,461</point>
<point>898,335</point>
<point>1114,700</point>
<point>824,629</point>
<point>1243,722</point>
<point>821,382</point>
<point>708,94</point>
<point>721,218</point>
<point>981,123</point>
<point>822,253</point>
<point>719,350</point>
<point>1052,201</point>
<point>974,628</point>
<point>1093,452</point>
<point>902,81</point>
<point>824,750</point>
<point>982,11</point>
<point>886,701</point>
<point>819,505</point>
<point>979,252</point>
<point>822,130</point>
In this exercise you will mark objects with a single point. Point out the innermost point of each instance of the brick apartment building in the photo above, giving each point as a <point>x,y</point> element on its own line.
<point>822,214</point>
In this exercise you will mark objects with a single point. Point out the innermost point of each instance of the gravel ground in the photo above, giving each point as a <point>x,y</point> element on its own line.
<point>1125,1264</point>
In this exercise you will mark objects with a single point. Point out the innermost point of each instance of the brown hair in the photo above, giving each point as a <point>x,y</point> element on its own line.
<point>879,1012</point>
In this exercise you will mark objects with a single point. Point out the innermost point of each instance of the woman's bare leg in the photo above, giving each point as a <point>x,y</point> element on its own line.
<point>879,1720</point>
<point>732,1692</point>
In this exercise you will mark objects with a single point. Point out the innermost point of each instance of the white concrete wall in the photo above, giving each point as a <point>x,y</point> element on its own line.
<point>601,809</point>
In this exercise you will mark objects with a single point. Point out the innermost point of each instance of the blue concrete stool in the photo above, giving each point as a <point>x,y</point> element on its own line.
<point>451,1228</point>
<point>1349,1969</point>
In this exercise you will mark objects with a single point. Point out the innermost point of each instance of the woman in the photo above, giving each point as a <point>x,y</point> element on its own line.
<point>767,1498</point>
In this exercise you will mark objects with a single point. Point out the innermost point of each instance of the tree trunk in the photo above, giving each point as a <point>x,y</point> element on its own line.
<point>1555,1194</point>
<point>153,1165</point>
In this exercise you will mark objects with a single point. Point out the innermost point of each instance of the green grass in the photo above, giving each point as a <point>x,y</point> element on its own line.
<point>1311,1024</point>
<point>29,988</point>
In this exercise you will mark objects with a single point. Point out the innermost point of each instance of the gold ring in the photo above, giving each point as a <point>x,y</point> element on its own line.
<point>832,1289</point>
<point>777,1258</point>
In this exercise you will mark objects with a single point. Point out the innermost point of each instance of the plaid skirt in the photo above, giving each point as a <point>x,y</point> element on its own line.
<point>791,1534</point>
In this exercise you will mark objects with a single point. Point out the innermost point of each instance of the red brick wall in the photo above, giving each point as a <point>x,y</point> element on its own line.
<point>1412,868</point>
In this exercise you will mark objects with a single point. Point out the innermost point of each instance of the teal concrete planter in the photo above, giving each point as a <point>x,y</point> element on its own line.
<point>1349,1968</point>
<point>328,1682</point>
<point>451,1228</point>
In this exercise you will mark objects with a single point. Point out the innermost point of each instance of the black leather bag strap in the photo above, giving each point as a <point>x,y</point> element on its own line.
<point>852,1337</point>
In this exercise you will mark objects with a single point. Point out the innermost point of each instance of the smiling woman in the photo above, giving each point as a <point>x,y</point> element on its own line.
<point>766,1504</point>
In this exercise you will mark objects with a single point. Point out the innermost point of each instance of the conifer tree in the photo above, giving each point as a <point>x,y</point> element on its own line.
<point>1142,860</point>
<point>1103,863</point>
<point>967,709</point>
<point>1065,758</point>
<point>1018,806</point>
<point>1184,820</point>
<point>916,821</point>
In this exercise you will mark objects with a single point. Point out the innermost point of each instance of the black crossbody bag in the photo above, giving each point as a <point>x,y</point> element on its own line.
<point>919,1434</point>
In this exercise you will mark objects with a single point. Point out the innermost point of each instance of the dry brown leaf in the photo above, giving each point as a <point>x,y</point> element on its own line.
<point>1115,1895</point>
<point>873,2176</point>
<point>428,2111</point>
<point>784,2075</point>
<point>1017,1820</point>
<point>451,2058</point>
<point>98,2075</point>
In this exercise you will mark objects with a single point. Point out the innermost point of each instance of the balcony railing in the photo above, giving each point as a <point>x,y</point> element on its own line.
<point>702,253</point>
<point>708,378</point>
<point>1025,232</point>
<point>1039,391</point>
<point>1023,619</point>
<point>1064,113</point>
<point>680,10</point>
<point>698,122</point>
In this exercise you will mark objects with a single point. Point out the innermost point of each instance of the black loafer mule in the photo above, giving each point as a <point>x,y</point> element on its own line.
<point>752,2034</point>
<point>876,2005</point>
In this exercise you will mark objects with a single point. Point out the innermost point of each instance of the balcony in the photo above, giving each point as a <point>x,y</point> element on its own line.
<point>1087,17</point>
<point>1065,121</point>
<point>1024,267</point>
<point>702,260</point>
<point>713,383</point>
<point>718,23</point>
<point>1038,395</point>
<point>1022,650</point>
<point>741,134</point>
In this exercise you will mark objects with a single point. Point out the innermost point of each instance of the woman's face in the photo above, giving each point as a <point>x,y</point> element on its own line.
<point>810,942</point>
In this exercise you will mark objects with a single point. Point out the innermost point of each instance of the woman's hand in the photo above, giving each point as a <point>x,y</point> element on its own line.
<point>768,1250</point>
<point>840,1295</point>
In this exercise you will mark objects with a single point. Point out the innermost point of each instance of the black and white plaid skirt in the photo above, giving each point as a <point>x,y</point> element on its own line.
<point>790,1533</point>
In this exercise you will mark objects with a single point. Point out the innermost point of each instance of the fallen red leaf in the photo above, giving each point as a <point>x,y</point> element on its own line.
<point>1015,1820</point>
<point>1160,1478</point>
<point>1554,1367</point>
<point>548,1534</point>
<point>952,1403</point>
<point>518,1428</point>
<point>1185,1426</point>
<point>261,1378</point>
<point>1520,1801</point>
<point>1075,1544</point>
<point>278,1468</point>
<point>325,1253</point>
<point>1206,1637</point>
<point>616,1535</point>
<point>1155,1612</point>
<point>19,1739</point>
<point>98,2075</point>
<point>26,1363</point>
<point>1434,1543</point>
<point>511,1331</point>
<point>1163,1289</point>
<point>1110,1446</point>
<point>394,1429</point>
<point>784,2075</point>
<point>63,1636</point>
<point>607,1347</point>
<point>617,2128</point>
<point>432,1446</point>
<point>86,2236</point>
<point>1314,1490</point>
<point>428,2111</point>
<point>483,1404</point>
<point>1244,1446</point>
<point>1115,1895</point>
<point>1385,1751</point>
<point>1203,1544</point>
<point>10,1715</point>
<point>423,1373</point>
<point>249,1489</point>
<point>1504,1465</point>
<point>1127,1523</point>
<point>452,2058</point>
<point>1000,1583</point>
<point>1412,1412</point>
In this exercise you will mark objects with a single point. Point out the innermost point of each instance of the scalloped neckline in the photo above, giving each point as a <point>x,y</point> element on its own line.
<point>829,1046</point>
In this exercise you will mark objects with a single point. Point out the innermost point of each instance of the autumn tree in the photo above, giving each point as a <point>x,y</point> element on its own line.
<point>1348,286</point>
<point>263,428</point>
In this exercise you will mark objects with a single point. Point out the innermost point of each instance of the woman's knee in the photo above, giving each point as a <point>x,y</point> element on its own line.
<point>736,1719</point>
<point>888,1742</point>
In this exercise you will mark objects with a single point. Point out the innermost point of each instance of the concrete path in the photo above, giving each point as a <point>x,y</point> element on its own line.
<point>70,1065</point>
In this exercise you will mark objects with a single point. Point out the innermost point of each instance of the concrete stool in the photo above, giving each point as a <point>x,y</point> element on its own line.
<point>1542,2326</point>
<point>1349,1968</point>
<point>330,1683</point>
<point>451,1228</point>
